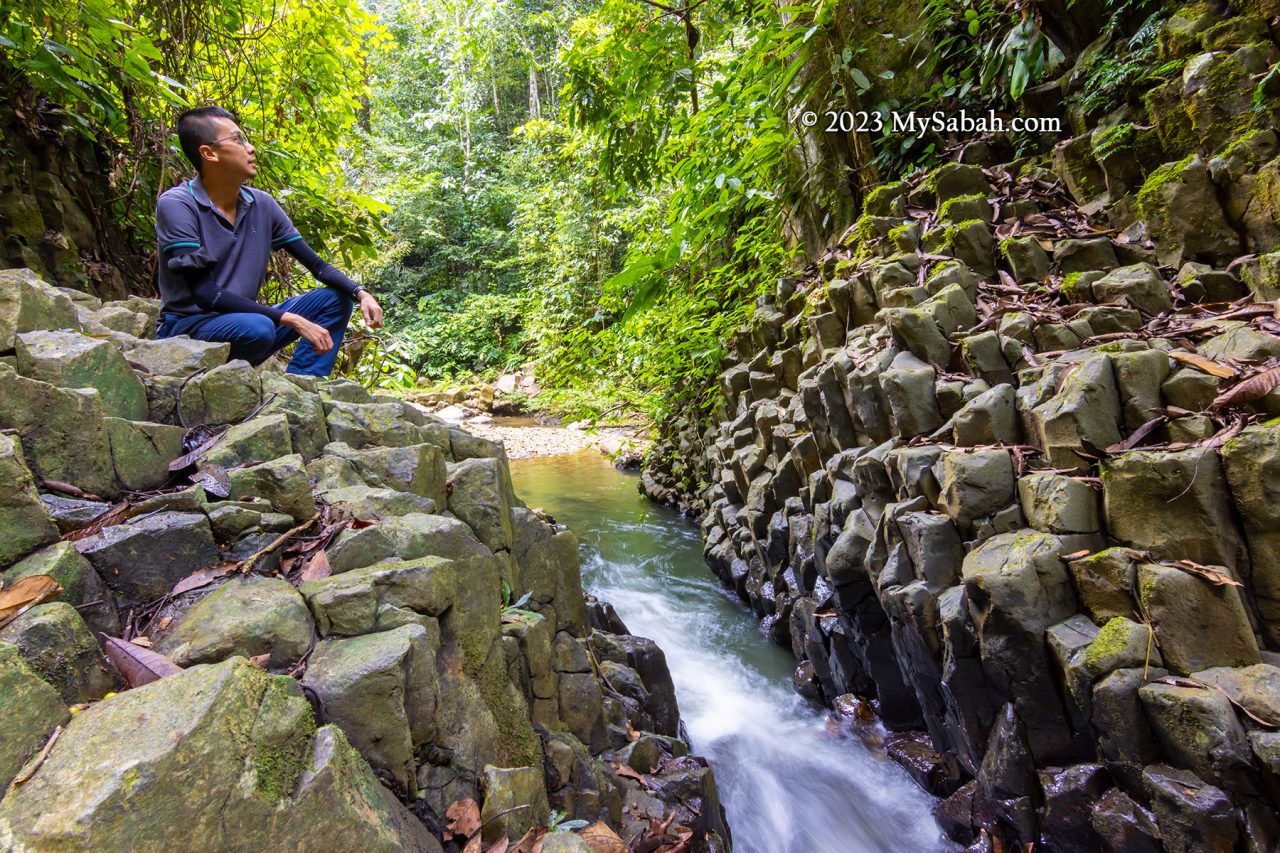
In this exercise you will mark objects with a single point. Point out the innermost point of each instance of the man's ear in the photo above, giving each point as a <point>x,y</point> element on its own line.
<point>208,154</point>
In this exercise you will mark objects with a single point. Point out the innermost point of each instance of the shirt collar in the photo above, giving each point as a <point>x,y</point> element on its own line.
<point>195,186</point>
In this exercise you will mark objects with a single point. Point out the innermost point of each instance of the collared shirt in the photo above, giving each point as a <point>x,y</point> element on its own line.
<point>236,255</point>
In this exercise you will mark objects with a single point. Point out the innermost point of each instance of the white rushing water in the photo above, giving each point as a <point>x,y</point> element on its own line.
<point>787,784</point>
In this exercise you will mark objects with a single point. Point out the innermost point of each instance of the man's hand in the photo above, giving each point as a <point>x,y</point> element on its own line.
<point>370,310</point>
<point>312,333</point>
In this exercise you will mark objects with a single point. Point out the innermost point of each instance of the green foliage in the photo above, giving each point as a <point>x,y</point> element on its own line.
<point>1127,66</point>
<point>120,70</point>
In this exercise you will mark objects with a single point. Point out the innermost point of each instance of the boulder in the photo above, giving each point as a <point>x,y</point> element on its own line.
<point>1139,286</point>
<point>1085,409</point>
<point>1094,253</point>
<point>308,432</point>
<point>506,791</point>
<point>480,498</point>
<point>25,524</point>
<point>70,360</point>
<point>418,468</point>
<point>1125,739</point>
<point>141,452</point>
<point>974,484</point>
<point>1104,582</point>
<point>382,596</point>
<point>908,386</point>
<point>1173,504</point>
<point>32,711</point>
<point>382,425</point>
<point>281,481</point>
<point>405,537</point>
<point>370,504</point>
<point>381,690</point>
<point>58,646</point>
<point>81,586</point>
<point>1251,462</point>
<point>262,439</point>
<point>1191,814</point>
<point>143,559</point>
<point>248,617</point>
<point>1255,688</point>
<point>1122,643</point>
<point>28,304</point>
<point>226,754</point>
<point>62,433</point>
<point>179,356</point>
<point>989,418</point>
<point>1139,376</point>
<point>1123,825</point>
<point>1198,625</point>
<point>1058,504</point>
<point>72,513</point>
<point>915,329</point>
<point>227,394</point>
<point>1017,587</point>
<point>1180,206</point>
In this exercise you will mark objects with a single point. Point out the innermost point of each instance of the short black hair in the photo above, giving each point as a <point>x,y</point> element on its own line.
<point>196,128</point>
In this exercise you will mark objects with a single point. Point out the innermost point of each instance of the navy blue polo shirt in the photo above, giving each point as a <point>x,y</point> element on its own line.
<point>236,255</point>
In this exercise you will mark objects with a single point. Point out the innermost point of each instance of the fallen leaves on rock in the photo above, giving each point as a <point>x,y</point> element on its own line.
<point>138,665</point>
<point>25,594</point>
<point>464,819</point>
<point>601,839</point>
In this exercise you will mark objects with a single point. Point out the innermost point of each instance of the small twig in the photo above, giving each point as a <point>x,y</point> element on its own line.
<point>34,764</point>
<point>248,564</point>
<point>93,603</point>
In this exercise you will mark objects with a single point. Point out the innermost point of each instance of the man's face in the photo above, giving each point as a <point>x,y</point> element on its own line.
<point>230,154</point>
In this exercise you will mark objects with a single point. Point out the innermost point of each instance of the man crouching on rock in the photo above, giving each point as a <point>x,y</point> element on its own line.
<point>215,236</point>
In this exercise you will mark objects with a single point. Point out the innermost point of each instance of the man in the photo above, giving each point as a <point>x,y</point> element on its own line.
<point>215,236</point>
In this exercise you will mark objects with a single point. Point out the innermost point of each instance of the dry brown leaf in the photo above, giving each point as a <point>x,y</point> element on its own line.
<point>317,567</point>
<point>531,841</point>
<point>261,660</point>
<point>1254,388</point>
<point>1212,575</point>
<point>628,772</point>
<point>1200,362</point>
<point>475,845</point>
<point>145,642</point>
<point>26,593</point>
<point>204,577</point>
<point>464,819</point>
<point>601,839</point>
<point>139,666</point>
<point>500,846</point>
<point>115,515</point>
<point>164,623</point>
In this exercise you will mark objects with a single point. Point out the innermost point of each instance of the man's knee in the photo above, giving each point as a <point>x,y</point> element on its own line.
<point>256,337</point>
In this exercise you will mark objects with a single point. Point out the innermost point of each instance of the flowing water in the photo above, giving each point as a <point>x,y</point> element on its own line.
<point>787,784</point>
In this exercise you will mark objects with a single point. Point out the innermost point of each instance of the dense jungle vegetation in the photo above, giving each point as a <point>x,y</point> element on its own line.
<point>596,188</point>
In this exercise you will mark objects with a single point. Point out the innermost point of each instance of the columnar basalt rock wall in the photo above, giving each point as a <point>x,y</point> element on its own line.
<point>998,466</point>
<point>438,647</point>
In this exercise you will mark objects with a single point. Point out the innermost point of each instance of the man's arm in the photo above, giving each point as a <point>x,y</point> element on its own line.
<point>331,276</point>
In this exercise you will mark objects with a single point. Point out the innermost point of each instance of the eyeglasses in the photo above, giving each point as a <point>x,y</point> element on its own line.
<point>238,138</point>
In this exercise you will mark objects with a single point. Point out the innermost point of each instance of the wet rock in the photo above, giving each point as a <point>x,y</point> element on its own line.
<point>1057,504</point>
<point>1198,625</point>
<point>228,753</point>
<point>141,452</point>
<point>1139,286</point>
<point>1191,814</point>
<point>28,304</point>
<point>1266,748</point>
<point>1123,825</point>
<point>81,586</point>
<point>1066,819</point>
<point>226,394</point>
<point>1125,739</point>
<point>1251,461</point>
<point>58,646</point>
<point>25,524</point>
<point>61,430</point>
<point>143,559</point>
<point>916,754</point>
<point>32,711</point>
<point>480,498</point>
<point>955,813</point>
<point>281,481</point>
<point>72,513</point>
<point>249,617</point>
<point>70,360</point>
<point>381,690</point>
<point>1173,504</point>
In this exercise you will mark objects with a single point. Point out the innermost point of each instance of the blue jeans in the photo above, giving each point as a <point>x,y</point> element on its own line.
<point>254,337</point>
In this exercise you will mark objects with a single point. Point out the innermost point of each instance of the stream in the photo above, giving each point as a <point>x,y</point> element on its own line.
<point>786,783</point>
